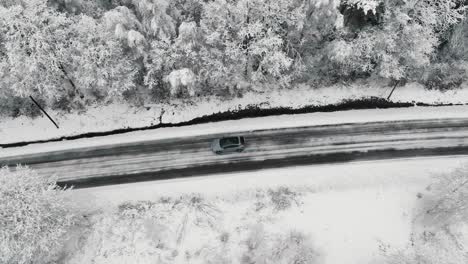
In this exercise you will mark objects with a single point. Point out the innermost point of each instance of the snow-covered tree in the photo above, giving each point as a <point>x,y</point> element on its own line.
<point>253,35</point>
<point>418,26</point>
<point>189,35</point>
<point>178,64</point>
<point>181,78</point>
<point>79,51</point>
<point>126,27</point>
<point>365,5</point>
<point>156,65</point>
<point>155,19</point>
<point>94,8</point>
<point>438,14</point>
<point>35,40</point>
<point>120,16</point>
<point>35,214</point>
<point>98,58</point>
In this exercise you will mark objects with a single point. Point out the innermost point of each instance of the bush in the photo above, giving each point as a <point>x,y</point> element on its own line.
<point>430,248</point>
<point>63,103</point>
<point>282,198</point>
<point>135,209</point>
<point>446,204</point>
<point>291,247</point>
<point>34,216</point>
<point>445,76</point>
<point>15,106</point>
<point>439,231</point>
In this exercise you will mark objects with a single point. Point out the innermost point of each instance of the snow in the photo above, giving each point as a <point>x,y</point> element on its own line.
<point>119,115</point>
<point>233,126</point>
<point>319,178</point>
<point>366,6</point>
<point>181,77</point>
<point>348,210</point>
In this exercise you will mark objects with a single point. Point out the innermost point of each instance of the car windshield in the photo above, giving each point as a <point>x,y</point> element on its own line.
<point>224,142</point>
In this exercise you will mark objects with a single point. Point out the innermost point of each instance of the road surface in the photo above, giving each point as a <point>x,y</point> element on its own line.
<point>191,156</point>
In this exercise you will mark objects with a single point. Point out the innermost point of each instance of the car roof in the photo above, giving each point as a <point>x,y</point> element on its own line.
<point>226,141</point>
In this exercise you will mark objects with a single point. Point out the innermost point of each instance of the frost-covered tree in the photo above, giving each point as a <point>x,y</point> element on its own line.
<point>365,5</point>
<point>254,36</point>
<point>155,18</point>
<point>119,20</point>
<point>178,61</point>
<point>167,42</point>
<point>101,66</point>
<point>438,14</point>
<point>59,56</point>
<point>35,214</point>
<point>419,26</point>
<point>181,78</point>
<point>171,67</point>
<point>34,39</point>
<point>75,52</point>
<point>94,8</point>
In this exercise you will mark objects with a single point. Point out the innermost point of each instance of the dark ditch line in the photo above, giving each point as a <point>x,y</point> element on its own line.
<point>249,112</point>
<point>252,165</point>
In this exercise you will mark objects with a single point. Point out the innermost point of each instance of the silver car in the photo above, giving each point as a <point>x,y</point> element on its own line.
<point>228,145</point>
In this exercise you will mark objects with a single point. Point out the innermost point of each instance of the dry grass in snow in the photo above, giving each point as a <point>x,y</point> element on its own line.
<point>349,213</point>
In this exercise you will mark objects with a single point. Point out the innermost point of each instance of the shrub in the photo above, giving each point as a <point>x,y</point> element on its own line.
<point>282,198</point>
<point>34,216</point>
<point>439,231</point>
<point>430,248</point>
<point>63,103</point>
<point>445,76</point>
<point>447,202</point>
<point>15,106</point>
<point>291,247</point>
<point>135,209</point>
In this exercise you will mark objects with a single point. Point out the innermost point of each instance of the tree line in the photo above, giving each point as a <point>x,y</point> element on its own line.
<point>73,53</point>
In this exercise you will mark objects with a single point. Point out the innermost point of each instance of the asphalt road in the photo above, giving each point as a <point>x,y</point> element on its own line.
<point>191,156</point>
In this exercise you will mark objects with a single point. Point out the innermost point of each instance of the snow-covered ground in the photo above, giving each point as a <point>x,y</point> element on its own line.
<point>117,115</point>
<point>247,124</point>
<point>345,213</point>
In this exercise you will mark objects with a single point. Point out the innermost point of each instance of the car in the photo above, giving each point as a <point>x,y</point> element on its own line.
<point>228,144</point>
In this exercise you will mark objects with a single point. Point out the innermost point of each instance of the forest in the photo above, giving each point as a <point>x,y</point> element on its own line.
<point>70,54</point>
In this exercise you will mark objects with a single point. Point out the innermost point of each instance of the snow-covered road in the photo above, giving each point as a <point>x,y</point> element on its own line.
<point>191,156</point>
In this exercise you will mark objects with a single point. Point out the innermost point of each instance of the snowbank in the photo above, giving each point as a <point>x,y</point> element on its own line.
<point>247,124</point>
<point>347,210</point>
<point>121,116</point>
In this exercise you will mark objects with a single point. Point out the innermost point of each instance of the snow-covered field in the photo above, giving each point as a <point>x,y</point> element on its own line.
<point>117,115</point>
<point>345,213</point>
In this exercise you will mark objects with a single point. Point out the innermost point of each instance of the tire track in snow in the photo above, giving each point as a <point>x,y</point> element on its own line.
<point>191,156</point>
